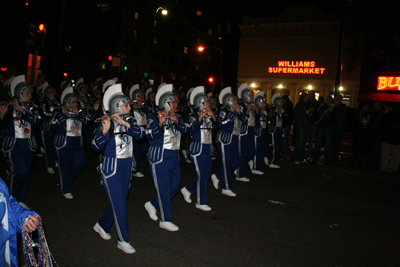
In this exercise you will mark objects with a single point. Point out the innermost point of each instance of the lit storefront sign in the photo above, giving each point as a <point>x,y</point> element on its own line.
<point>296,67</point>
<point>386,83</point>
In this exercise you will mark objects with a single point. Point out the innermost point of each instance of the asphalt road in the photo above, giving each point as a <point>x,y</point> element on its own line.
<point>299,215</point>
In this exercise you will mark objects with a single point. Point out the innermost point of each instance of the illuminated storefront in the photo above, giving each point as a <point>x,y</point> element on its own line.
<point>293,53</point>
<point>381,86</point>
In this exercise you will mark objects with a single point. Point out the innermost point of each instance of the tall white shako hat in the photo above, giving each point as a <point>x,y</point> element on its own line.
<point>7,86</point>
<point>150,94</point>
<point>244,92</point>
<point>114,99</point>
<point>188,93</point>
<point>161,85</point>
<point>276,99</point>
<point>259,98</point>
<point>198,97</point>
<point>68,96</point>
<point>41,88</point>
<point>63,85</point>
<point>79,85</point>
<point>226,97</point>
<point>107,84</point>
<point>135,92</point>
<point>18,87</point>
<point>164,96</point>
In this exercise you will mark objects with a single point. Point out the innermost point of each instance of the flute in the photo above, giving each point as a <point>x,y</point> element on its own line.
<point>110,117</point>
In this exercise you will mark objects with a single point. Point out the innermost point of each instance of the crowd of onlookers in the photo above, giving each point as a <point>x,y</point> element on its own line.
<point>319,127</point>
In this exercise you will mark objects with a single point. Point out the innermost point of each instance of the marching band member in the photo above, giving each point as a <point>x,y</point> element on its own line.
<point>227,140</point>
<point>202,122</point>
<point>187,111</point>
<point>116,139</point>
<point>85,105</point>
<point>19,117</point>
<point>140,147</point>
<point>48,107</point>
<point>276,116</point>
<point>164,131</point>
<point>260,135</point>
<point>246,137</point>
<point>68,141</point>
<point>149,106</point>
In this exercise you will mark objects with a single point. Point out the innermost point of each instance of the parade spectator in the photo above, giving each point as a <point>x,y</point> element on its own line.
<point>312,105</point>
<point>339,108</point>
<point>324,134</point>
<point>390,137</point>
<point>301,126</point>
<point>361,120</point>
<point>286,126</point>
<point>374,128</point>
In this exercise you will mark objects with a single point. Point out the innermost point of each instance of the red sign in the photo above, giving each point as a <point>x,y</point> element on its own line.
<point>386,83</point>
<point>3,69</point>
<point>296,67</point>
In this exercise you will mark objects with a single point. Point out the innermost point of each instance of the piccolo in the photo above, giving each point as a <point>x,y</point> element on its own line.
<point>110,117</point>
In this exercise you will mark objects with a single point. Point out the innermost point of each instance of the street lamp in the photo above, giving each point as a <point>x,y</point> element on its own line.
<point>202,48</point>
<point>164,12</point>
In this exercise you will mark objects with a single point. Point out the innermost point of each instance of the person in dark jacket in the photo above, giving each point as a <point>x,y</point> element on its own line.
<point>390,137</point>
<point>361,121</point>
<point>338,129</point>
<point>301,126</point>
<point>286,126</point>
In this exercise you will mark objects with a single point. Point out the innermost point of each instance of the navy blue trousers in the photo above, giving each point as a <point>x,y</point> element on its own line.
<point>203,166</point>
<point>48,144</point>
<point>247,151</point>
<point>167,178</point>
<point>71,160</point>
<point>277,144</point>
<point>262,149</point>
<point>140,149</point>
<point>230,160</point>
<point>117,189</point>
<point>20,158</point>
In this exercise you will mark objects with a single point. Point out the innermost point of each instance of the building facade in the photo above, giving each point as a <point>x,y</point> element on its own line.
<point>294,52</point>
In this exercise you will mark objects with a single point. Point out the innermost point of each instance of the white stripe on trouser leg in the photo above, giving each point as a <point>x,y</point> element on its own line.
<point>273,145</point>
<point>113,209</point>
<point>153,167</point>
<point>11,171</point>
<point>224,166</point>
<point>59,170</point>
<point>198,180</point>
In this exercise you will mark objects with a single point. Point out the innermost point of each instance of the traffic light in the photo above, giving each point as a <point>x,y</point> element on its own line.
<point>125,68</point>
<point>65,74</point>
<point>41,28</point>
<point>210,79</point>
<point>110,58</point>
<point>40,35</point>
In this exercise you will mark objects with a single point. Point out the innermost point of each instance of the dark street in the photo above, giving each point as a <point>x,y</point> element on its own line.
<point>299,215</point>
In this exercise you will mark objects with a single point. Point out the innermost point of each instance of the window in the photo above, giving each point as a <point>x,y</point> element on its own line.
<point>135,50</point>
<point>186,64</point>
<point>186,50</point>
<point>199,13</point>
<point>197,67</point>
<point>173,60</point>
<point>135,33</point>
<point>136,16</point>
<point>172,76</point>
<point>102,65</point>
<point>209,32</point>
<point>154,39</point>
